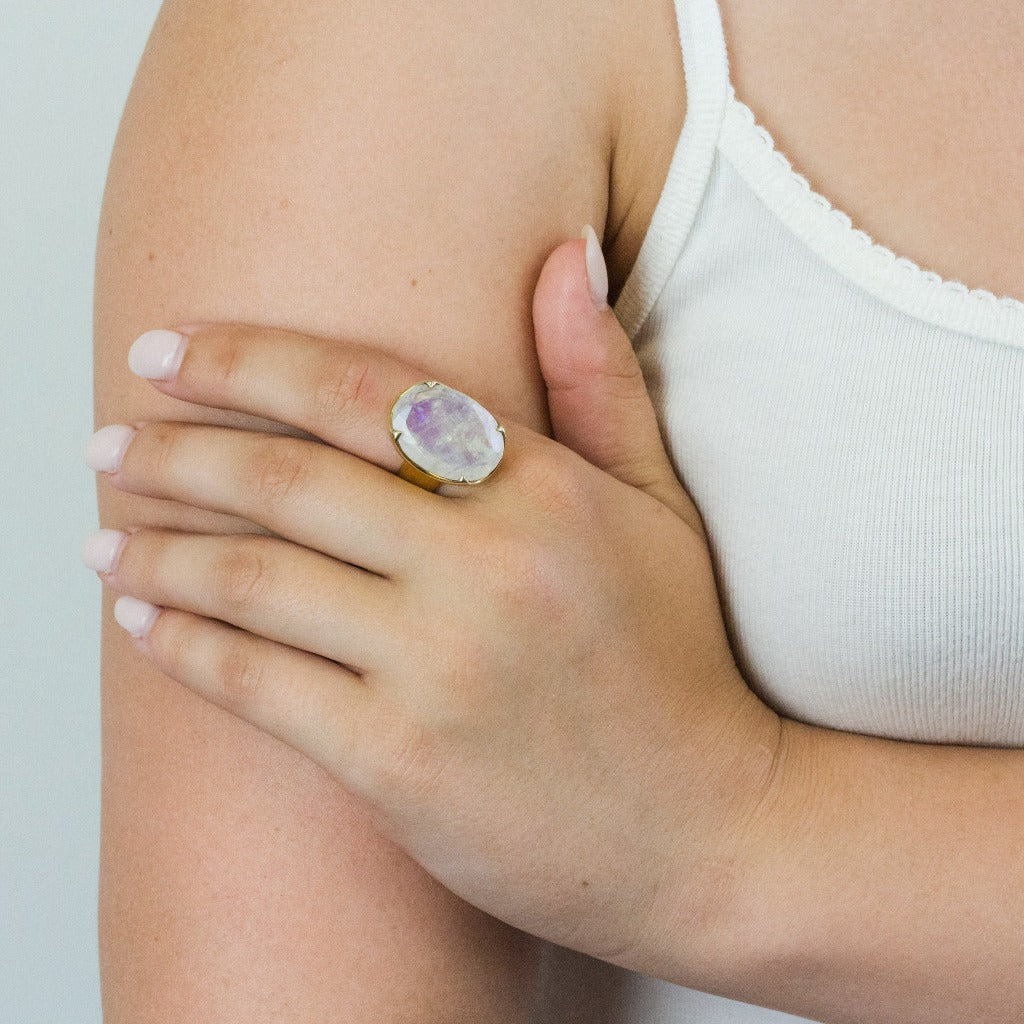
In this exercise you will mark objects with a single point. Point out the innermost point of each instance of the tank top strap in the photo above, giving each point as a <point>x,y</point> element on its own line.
<point>706,70</point>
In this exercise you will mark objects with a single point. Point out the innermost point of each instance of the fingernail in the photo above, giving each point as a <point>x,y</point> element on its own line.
<point>157,355</point>
<point>107,446</point>
<point>101,549</point>
<point>597,269</point>
<point>134,615</point>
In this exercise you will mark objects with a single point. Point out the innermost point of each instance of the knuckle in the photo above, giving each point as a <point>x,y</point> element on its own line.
<point>240,577</point>
<point>145,559</point>
<point>168,640</point>
<point>555,482</point>
<point>525,572</point>
<point>442,659</point>
<point>341,389</point>
<point>241,674</point>
<point>280,470</point>
<point>225,351</point>
<point>162,444</point>
<point>618,365</point>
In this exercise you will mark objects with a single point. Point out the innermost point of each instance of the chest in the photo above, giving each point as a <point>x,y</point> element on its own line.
<point>861,477</point>
<point>906,115</point>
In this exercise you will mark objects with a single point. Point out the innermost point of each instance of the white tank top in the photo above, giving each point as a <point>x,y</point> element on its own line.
<point>851,428</point>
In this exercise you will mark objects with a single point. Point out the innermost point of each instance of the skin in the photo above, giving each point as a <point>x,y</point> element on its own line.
<point>903,116</point>
<point>551,639</point>
<point>869,161</point>
<point>251,181</point>
<point>579,756</point>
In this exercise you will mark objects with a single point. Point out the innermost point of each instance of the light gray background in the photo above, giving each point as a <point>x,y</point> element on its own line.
<point>65,72</point>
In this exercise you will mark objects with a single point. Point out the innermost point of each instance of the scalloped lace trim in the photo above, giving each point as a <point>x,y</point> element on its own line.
<point>905,265</point>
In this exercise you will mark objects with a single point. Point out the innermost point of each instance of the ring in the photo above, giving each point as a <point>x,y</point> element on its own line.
<point>444,436</point>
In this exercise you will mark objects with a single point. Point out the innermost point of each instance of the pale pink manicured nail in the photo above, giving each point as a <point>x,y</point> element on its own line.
<point>597,269</point>
<point>134,615</point>
<point>157,355</point>
<point>107,446</point>
<point>101,549</point>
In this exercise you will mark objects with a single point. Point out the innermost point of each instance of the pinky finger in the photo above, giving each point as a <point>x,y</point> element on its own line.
<point>312,704</point>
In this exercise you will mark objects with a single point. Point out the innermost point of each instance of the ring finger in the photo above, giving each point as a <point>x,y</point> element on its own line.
<point>302,490</point>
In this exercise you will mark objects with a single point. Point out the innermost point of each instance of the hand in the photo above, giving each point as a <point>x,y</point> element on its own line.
<point>528,681</point>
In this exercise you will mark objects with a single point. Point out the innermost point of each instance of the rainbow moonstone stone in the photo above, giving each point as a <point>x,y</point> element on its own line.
<point>446,433</point>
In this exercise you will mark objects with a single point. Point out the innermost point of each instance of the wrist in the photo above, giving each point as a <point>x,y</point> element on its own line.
<point>696,925</point>
<point>760,931</point>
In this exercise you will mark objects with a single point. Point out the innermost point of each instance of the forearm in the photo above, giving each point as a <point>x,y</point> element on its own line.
<point>883,881</point>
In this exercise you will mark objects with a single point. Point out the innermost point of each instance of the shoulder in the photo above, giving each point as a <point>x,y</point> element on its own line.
<point>575,106</point>
<point>484,88</point>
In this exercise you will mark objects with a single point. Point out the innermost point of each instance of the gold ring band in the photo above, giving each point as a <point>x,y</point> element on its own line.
<point>415,475</point>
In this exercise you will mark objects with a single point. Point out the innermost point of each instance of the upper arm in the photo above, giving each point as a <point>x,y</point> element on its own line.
<point>394,173</point>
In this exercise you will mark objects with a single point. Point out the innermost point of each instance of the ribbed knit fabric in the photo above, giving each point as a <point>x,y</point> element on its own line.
<point>851,428</point>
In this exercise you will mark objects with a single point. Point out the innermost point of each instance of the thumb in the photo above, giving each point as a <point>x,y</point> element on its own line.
<point>597,396</point>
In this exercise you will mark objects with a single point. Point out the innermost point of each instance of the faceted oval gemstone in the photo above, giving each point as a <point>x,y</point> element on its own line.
<point>446,433</point>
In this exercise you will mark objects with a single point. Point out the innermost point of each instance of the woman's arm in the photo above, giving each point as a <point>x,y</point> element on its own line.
<point>390,173</point>
<point>883,881</point>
